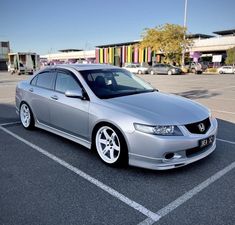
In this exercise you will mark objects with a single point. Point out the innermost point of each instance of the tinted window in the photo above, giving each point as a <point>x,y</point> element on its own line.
<point>46,80</point>
<point>65,82</point>
<point>109,83</point>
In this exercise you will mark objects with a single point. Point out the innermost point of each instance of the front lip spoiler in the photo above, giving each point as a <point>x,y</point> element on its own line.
<point>175,164</point>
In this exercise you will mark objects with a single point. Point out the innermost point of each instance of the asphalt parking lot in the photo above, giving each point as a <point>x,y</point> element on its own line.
<point>46,179</point>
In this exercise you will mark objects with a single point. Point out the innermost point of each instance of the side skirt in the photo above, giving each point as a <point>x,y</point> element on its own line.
<point>76,139</point>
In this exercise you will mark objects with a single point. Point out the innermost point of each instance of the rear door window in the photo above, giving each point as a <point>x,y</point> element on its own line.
<point>46,80</point>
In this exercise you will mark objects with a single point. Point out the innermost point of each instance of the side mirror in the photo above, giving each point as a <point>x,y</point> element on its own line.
<point>74,94</point>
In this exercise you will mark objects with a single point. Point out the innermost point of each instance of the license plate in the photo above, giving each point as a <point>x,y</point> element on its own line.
<point>206,141</point>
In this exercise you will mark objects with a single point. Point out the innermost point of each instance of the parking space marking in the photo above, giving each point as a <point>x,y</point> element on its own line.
<point>221,88</point>
<point>226,141</point>
<point>221,111</point>
<point>224,99</point>
<point>10,123</point>
<point>188,195</point>
<point>153,216</point>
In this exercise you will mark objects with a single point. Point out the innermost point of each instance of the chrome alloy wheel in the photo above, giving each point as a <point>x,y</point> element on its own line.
<point>108,144</point>
<point>25,115</point>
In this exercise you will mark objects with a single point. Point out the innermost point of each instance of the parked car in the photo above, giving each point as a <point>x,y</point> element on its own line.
<point>197,68</point>
<point>226,69</point>
<point>136,68</point>
<point>122,117</point>
<point>164,69</point>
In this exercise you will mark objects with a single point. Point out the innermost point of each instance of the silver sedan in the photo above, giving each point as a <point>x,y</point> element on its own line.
<point>119,115</point>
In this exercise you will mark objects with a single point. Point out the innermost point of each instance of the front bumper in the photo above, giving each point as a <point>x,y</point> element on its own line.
<point>149,151</point>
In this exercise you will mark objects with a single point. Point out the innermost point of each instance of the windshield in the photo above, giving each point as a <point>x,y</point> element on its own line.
<point>110,83</point>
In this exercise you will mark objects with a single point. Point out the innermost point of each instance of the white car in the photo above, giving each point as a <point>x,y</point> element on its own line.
<point>136,68</point>
<point>226,69</point>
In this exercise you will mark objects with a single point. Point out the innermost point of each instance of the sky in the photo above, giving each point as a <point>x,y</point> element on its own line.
<point>46,26</point>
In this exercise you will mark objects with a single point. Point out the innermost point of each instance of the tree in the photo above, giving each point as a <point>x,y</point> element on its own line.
<point>230,56</point>
<point>167,39</point>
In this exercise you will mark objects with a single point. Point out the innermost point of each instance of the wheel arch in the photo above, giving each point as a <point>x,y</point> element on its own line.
<point>25,102</point>
<point>32,122</point>
<point>103,123</point>
<point>126,145</point>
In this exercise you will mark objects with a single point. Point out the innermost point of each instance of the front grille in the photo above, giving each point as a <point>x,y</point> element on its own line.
<point>197,150</point>
<point>195,127</point>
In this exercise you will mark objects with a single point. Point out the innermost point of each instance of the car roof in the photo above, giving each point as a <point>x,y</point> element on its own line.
<point>80,67</point>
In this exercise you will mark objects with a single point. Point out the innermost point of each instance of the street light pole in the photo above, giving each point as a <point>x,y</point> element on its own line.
<point>185,25</point>
<point>185,13</point>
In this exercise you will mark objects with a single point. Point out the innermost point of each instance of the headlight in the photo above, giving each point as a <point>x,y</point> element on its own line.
<point>168,130</point>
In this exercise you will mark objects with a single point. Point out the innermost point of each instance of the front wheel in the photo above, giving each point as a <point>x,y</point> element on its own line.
<point>169,72</point>
<point>139,72</point>
<point>152,72</point>
<point>26,116</point>
<point>110,145</point>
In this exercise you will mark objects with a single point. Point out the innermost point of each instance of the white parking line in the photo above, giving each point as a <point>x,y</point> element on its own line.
<point>10,123</point>
<point>111,191</point>
<point>221,88</point>
<point>188,195</point>
<point>226,141</point>
<point>221,111</point>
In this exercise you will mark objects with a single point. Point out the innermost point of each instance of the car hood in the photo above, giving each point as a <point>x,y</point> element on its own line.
<point>160,108</point>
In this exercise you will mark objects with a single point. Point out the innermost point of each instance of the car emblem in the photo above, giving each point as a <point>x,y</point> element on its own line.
<point>201,127</point>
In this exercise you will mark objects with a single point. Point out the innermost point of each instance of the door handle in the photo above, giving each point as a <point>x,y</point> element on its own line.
<point>31,89</point>
<point>54,97</point>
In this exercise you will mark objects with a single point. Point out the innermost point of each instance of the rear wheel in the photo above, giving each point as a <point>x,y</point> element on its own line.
<point>110,145</point>
<point>26,116</point>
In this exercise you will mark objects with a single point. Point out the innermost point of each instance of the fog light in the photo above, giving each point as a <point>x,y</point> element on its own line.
<point>169,155</point>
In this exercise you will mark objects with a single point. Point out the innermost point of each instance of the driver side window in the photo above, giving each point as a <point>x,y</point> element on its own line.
<point>65,82</point>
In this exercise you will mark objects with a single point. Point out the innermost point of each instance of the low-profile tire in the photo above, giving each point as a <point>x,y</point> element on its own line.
<point>110,145</point>
<point>26,116</point>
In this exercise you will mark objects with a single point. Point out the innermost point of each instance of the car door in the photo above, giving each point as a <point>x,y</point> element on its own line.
<point>41,89</point>
<point>165,69</point>
<point>229,69</point>
<point>132,68</point>
<point>161,69</point>
<point>69,114</point>
<point>156,68</point>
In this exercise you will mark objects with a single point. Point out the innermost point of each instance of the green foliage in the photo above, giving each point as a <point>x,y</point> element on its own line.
<point>230,56</point>
<point>168,39</point>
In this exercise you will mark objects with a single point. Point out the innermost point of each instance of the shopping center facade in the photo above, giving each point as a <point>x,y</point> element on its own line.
<point>207,48</point>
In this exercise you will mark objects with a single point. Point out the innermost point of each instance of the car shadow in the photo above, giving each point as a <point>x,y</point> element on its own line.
<point>8,114</point>
<point>196,94</point>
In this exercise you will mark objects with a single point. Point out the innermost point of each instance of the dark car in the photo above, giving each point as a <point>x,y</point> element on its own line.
<point>164,69</point>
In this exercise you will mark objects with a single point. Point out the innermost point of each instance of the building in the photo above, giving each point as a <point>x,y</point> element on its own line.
<point>213,48</point>
<point>70,55</point>
<point>207,48</point>
<point>127,52</point>
<point>4,50</point>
